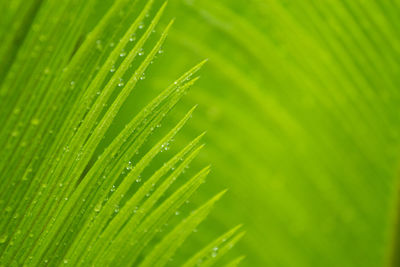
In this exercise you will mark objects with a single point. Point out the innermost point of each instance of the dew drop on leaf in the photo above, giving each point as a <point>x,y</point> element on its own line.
<point>121,82</point>
<point>3,238</point>
<point>35,121</point>
<point>97,208</point>
<point>132,38</point>
<point>141,52</point>
<point>99,46</point>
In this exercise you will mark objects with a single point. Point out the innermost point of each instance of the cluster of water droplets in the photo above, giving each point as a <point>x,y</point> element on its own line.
<point>129,166</point>
<point>141,52</point>
<point>165,146</point>
<point>132,38</point>
<point>123,53</point>
<point>112,189</point>
<point>214,252</point>
<point>121,82</point>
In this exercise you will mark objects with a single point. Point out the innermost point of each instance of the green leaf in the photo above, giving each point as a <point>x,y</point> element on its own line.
<point>64,201</point>
<point>164,250</point>
<point>299,100</point>
<point>235,262</point>
<point>212,251</point>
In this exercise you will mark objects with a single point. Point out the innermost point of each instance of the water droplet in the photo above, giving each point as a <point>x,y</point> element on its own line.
<point>141,52</point>
<point>164,147</point>
<point>129,167</point>
<point>97,208</point>
<point>99,46</point>
<point>3,238</point>
<point>121,82</point>
<point>123,53</point>
<point>112,68</point>
<point>132,38</point>
<point>35,121</point>
<point>177,212</point>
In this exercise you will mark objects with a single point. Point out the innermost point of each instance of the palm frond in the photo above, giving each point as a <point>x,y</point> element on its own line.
<point>62,200</point>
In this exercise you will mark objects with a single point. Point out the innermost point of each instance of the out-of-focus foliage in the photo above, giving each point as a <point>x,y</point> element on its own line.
<point>301,103</point>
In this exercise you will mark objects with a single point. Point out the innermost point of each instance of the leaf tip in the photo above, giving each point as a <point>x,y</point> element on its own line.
<point>220,194</point>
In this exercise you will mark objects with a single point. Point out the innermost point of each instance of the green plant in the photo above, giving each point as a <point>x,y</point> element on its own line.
<point>63,201</point>
<point>299,100</point>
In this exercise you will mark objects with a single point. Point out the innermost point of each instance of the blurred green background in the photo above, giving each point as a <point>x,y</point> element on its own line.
<point>300,100</point>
